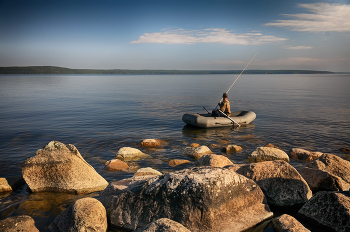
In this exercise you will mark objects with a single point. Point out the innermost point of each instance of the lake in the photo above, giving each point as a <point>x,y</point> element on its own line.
<point>100,114</point>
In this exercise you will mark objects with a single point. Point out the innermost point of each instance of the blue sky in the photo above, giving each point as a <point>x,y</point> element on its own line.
<point>193,35</point>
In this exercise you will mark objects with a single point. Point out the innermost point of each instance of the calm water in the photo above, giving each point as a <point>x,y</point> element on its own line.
<point>99,114</point>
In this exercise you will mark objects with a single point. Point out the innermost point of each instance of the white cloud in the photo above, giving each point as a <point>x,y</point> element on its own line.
<point>323,17</point>
<point>298,47</point>
<point>210,35</point>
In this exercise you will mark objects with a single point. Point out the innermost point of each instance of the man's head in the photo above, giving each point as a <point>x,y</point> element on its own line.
<point>224,96</point>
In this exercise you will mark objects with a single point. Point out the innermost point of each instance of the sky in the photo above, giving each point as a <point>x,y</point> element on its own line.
<point>176,34</point>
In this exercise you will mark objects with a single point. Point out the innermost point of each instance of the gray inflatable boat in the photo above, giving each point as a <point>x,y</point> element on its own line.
<point>206,121</point>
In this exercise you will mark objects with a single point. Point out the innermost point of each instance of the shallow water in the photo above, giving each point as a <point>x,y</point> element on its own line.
<point>99,114</point>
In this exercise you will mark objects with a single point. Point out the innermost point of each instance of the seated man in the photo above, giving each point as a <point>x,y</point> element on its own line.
<point>224,107</point>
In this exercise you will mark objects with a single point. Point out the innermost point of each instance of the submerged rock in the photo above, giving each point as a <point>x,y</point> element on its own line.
<point>150,143</point>
<point>201,199</point>
<point>282,184</point>
<point>18,223</point>
<point>163,225</point>
<point>60,168</point>
<point>195,145</point>
<point>271,145</point>
<point>176,162</point>
<point>287,223</point>
<point>116,165</point>
<point>267,154</point>
<point>147,171</point>
<point>214,161</point>
<point>129,154</point>
<point>87,214</point>
<point>304,155</point>
<point>328,209</point>
<point>196,152</point>
<point>231,149</point>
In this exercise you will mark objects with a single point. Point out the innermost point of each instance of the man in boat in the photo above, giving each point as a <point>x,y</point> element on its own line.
<point>224,107</point>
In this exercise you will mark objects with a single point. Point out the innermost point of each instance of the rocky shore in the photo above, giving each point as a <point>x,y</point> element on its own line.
<point>213,194</point>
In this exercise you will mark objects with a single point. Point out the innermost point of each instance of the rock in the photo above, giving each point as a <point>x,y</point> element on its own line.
<point>195,145</point>
<point>163,225</point>
<point>116,164</point>
<point>18,223</point>
<point>267,154</point>
<point>86,214</point>
<point>196,152</point>
<point>214,161</point>
<point>176,162</point>
<point>146,172</point>
<point>61,168</point>
<point>201,199</point>
<point>129,154</point>
<point>271,145</point>
<point>344,149</point>
<point>329,172</point>
<point>328,209</point>
<point>286,223</point>
<point>231,148</point>
<point>150,143</point>
<point>304,155</point>
<point>282,184</point>
<point>4,186</point>
<point>214,146</point>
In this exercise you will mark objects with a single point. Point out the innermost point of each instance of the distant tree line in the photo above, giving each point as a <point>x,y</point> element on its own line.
<point>60,70</point>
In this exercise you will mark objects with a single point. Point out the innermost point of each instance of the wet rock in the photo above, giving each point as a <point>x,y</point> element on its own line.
<point>271,145</point>
<point>195,145</point>
<point>150,143</point>
<point>60,168</point>
<point>4,186</point>
<point>116,165</point>
<point>129,154</point>
<point>18,223</point>
<point>328,209</point>
<point>176,162</point>
<point>196,152</point>
<point>231,149</point>
<point>267,154</point>
<point>344,149</point>
<point>163,225</point>
<point>287,223</point>
<point>201,199</point>
<point>329,172</point>
<point>87,214</point>
<point>282,184</point>
<point>214,146</point>
<point>304,155</point>
<point>147,171</point>
<point>214,161</point>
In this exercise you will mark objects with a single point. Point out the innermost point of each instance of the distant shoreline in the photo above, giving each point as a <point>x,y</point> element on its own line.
<point>61,70</point>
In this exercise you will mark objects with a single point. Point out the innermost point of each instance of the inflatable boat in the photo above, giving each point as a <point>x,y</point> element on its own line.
<point>206,121</point>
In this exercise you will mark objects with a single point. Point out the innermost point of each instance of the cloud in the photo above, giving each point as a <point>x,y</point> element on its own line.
<point>298,47</point>
<point>323,17</point>
<point>210,35</point>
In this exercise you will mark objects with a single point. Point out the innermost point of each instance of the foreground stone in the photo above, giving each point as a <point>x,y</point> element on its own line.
<point>18,223</point>
<point>129,154</point>
<point>163,225</point>
<point>214,161</point>
<point>267,154</point>
<point>231,149</point>
<point>328,209</point>
<point>286,223</point>
<point>116,165</point>
<point>150,143</point>
<point>87,214</point>
<point>304,155</point>
<point>282,184</point>
<point>147,171</point>
<point>60,168</point>
<point>196,152</point>
<point>4,186</point>
<point>201,199</point>
<point>176,162</point>
<point>329,172</point>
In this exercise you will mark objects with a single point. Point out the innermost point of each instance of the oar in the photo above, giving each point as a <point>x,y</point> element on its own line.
<point>206,110</point>
<point>229,118</point>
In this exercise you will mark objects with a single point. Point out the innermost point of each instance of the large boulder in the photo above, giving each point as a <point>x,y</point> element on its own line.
<point>130,154</point>
<point>282,184</point>
<point>287,223</point>
<point>267,154</point>
<point>60,168</point>
<point>163,225</point>
<point>196,152</point>
<point>328,210</point>
<point>18,223</point>
<point>201,199</point>
<point>214,161</point>
<point>329,172</point>
<point>4,186</point>
<point>304,155</point>
<point>86,214</point>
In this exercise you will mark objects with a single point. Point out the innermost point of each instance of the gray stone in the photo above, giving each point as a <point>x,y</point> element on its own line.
<point>196,152</point>
<point>163,225</point>
<point>267,154</point>
<point>130,154</point>
<point>17,224</point>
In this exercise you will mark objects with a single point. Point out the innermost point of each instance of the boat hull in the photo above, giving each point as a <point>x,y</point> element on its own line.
<point>206,121</point>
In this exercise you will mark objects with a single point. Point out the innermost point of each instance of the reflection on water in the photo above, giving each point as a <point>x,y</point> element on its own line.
<point>101,114</point>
